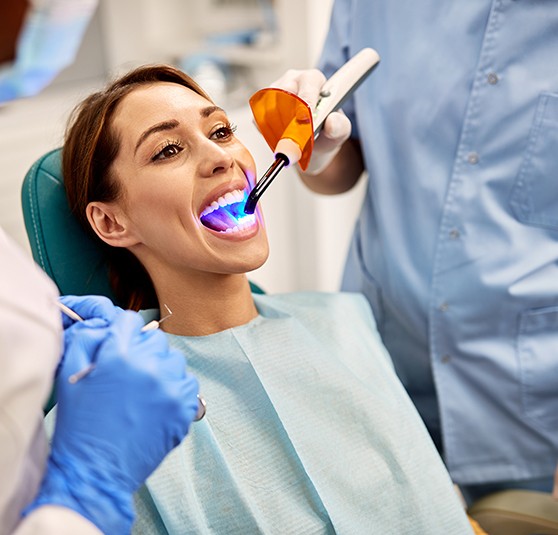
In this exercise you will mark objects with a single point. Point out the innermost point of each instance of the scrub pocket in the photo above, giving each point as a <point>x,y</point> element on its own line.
<point>356,278</point>
<point>534,197</point>
<point>537,347</point>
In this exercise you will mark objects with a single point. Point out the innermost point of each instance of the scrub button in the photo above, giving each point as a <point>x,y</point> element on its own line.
<point>492,78</point>
<point>454,234</point>
<point>473,158</point>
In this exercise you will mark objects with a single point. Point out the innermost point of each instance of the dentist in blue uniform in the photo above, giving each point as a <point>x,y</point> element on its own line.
<point>456,245</point>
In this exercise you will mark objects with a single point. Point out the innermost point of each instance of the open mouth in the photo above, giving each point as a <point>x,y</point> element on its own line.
<point>226,214</point>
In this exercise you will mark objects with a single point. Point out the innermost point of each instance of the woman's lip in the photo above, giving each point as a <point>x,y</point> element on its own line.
<point>240,235</point>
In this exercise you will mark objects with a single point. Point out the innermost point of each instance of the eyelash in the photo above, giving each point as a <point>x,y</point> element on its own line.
<point>159,155</point>
<point>228,130</point>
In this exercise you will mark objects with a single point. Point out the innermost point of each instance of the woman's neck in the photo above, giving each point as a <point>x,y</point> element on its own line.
<point>211,304</point>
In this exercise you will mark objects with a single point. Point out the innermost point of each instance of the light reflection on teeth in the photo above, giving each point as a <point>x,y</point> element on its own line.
<point>226,214</point>
<point>243,224</point>
<point>229,198</point>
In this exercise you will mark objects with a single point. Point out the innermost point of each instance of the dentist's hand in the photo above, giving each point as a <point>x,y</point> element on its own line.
<point>117,423</point>
<point>307,84</point>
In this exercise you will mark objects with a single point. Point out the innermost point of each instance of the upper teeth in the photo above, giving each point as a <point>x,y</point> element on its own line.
<point>230,197</point>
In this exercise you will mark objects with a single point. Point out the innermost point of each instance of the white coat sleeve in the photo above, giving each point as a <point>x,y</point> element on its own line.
<point>30,344</point>
<point>55,520</point>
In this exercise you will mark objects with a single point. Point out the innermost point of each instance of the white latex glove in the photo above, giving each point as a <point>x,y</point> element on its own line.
<point>307,84</point>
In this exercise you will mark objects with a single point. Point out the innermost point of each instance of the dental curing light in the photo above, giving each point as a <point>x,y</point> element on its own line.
<point>288,124</point>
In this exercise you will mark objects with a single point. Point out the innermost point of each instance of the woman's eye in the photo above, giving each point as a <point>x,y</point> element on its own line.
<point>168,151</point>
<point>223,132</point>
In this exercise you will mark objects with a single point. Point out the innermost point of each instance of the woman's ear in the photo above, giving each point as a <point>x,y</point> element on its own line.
<point>110,224</point>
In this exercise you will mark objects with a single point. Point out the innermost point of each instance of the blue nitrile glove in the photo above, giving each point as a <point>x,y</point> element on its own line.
<point>117,423</point>
<point>88,307</point>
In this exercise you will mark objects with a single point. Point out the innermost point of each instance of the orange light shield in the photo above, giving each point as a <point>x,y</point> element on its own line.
<point>280,114</point>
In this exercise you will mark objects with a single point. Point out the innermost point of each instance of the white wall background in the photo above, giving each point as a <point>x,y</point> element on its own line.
<point>308,234</point>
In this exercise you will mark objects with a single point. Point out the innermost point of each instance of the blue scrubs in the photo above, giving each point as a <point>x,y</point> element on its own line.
<point>456,246</point>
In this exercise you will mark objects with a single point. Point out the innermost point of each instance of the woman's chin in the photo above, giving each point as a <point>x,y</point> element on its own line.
<point>252,259</point>
<point>241,251</point>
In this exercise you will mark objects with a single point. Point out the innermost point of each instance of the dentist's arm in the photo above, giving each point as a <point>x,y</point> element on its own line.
<point>110,436</point>
<point>336,162</point>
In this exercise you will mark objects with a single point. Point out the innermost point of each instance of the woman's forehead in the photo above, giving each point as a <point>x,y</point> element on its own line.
<point>151,101</point>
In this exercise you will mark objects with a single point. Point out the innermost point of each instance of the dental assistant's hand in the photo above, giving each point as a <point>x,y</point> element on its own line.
<point>307,84</point>
<point>88,307</point>
<point>116,424</point>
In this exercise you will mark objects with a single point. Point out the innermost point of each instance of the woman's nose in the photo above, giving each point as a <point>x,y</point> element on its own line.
<point>215,159</point>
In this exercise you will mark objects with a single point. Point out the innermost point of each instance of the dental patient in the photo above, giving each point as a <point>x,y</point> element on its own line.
<point>308,429</point>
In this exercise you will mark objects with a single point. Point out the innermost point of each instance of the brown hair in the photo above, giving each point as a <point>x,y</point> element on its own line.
<point>90,148</point>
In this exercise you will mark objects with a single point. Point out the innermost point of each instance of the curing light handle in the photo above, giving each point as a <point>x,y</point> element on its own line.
<point>342,84</point>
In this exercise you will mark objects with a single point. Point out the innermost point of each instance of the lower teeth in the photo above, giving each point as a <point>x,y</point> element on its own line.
<point>236,226</point>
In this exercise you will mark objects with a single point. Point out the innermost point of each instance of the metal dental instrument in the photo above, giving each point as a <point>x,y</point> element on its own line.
<point>154,324</point>
<point>291,137</point>
<point>69,312</point>
<point>74,378</point>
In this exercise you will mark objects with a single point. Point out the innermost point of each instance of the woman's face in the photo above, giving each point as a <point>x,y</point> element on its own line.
<point>184,178</point>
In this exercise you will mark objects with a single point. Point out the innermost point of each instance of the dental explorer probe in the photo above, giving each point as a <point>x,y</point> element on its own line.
<point>152,325</point>
<point>336,90</point>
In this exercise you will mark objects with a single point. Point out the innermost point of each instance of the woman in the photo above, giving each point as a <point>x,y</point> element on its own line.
<point>308,430</point>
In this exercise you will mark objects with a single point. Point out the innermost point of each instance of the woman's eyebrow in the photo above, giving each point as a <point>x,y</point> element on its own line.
<point>159,127</point>
<point>206,112</point>
<point>170,125</point>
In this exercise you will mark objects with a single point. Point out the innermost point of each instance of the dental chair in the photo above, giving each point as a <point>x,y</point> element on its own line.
<point>68,255</point>
<point>75,262</point>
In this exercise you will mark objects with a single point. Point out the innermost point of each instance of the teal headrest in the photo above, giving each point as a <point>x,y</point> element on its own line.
<point>70,257</point>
